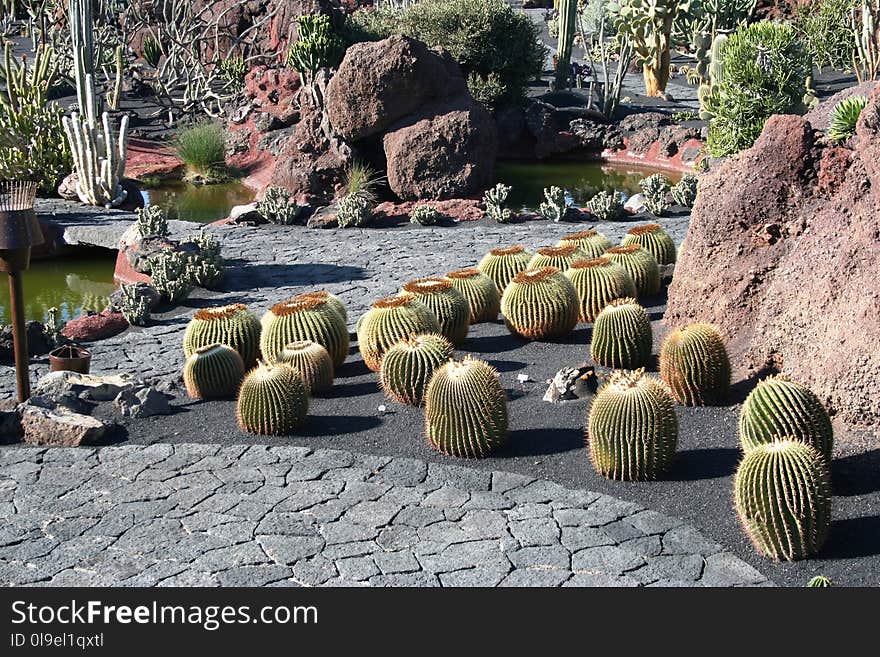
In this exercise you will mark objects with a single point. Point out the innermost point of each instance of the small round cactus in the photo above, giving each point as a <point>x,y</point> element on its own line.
<point>654,240</point>
<point>780,407</point>
<point>307,318</point>
<point>820,582</point>
<point>540,304</point>
<point>466,409</point>
<point>598,282</point>
<point>591,242</point>
<point>501,265</point>
<point>213,372</point>
<point>389,321</point>
<point>782,494</point>
<point>233,325</point>
<point>640,264</point>
<point>408,366</point>
<point>272,400</point>
<point>695,366</point>
<point>332,300</point>
<point>632,428</point>
<point>560,257</point>
<point>446,302</point>
<point>312,362</point>
<point>622,336</point>
<point>479,291</point>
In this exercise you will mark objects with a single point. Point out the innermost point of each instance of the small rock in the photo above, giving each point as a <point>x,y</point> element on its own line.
<point>142,402</point>
<point>246,214</point>
<point>95,326</point>
<point>323,218</point>
<point>572,383</point>
<point>58,426</point>
<point>635,204</point>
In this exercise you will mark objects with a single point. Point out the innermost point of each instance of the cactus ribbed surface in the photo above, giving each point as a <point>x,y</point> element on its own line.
<point>466,409</point>
<point>233,325</point>
<point>782,494</point>
<point>780,407</point>
<point>447,303</point>
<point>540,304</point>
<point>501,265</point>
<point>409,365</point>
<point>307,318</point>
<point>480,292</point>
<point>213,372</point>
<point>591,242</point>
<point>272,400</point>
<point>332,300</point>
<point>622,336</point>
<point>695,366</point>
<point>598,282</point>
<point>632,428</point>
<point>313,363</point>
<point>640,264</point>
<point>560,257</point>
<point>389,321</point>
<point>567,12</point>
<point>654,240</point>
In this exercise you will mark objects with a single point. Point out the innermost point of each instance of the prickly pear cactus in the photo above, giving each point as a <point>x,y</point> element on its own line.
<point>501,265</point>
<point>312,362</point>
<point>213,372</point>
<point>640,264</point>
<point>480,292</point>
<point>409,365</point>
<point>622,336</point>
<point>233,325</point>
<point>598,282</point>
<point>560,257</point>
<point>654,240</point>
<point>695,366</point>
<point>389,321</point>
<point>540,304</point>
<point>591,242</point>
<point>447,303</point>
<point>309,318</point>
<point>272,400</point>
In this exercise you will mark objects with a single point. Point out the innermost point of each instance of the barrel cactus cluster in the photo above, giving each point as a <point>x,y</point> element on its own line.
<point>312,362</point>
<point>654,240</point>
<point>540,304</point>
<point>409,365</point>
<point>502,264</point>
<point>213,372</point>
<point>306,318</point>
<point>233,325</point>
<point>446,302</point>
<point>640,264</point>
<point>591,242</point>
<point>389,321</point>
<point>560,257</point>
<point>598,282</point>
<point>479,291</point>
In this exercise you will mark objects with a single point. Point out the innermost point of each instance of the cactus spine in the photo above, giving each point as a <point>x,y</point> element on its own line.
<point>409,365</point>
<point>640,264</point>
<point>654,240</point>
<point>540,304</point>
<point>389,321</point>
<point>466,409</point>
<point>695,366</point>
<point>312,362</point>
<point>598,282</point>
<point>479,291</point>
<point>501,265</point>
<point>332,300</point>
<point>213,372</point>
<point>308,318</point>
<point>632,429</point>
<point>783,499</point>
<point>272,400</point>
<point>233,325</point>
<point>447,303</point>
<point>560,257</point>
<point>591,242</point>
<point>622,335</point>
<point>777,408</point>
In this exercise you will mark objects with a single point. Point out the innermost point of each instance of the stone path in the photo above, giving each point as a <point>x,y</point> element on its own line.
<point>187,515</point>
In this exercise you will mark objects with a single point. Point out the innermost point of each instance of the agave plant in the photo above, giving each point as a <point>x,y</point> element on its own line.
<point>844,118</point>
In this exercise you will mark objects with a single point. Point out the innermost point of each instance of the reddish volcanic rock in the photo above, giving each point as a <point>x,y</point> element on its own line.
<point>151,159</point>
<point>458,209</point>
<point>273,90</point>
<point>94,327</point>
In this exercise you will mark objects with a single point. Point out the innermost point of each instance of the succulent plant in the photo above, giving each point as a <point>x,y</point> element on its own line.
<point>312,362</point>
<point>309,318</point>
<point>171,275</point>
<point>447,303</point>
<point>782,494</point>
<point>233,325</point>
<point>151,221</point>
<point>353,211</point>
<point>844,118</point>
<point>695,366</point>
<point>501,265</point>
<point>540,304</point>
<point>591,242</point>
<point>424,215</point>
<point>479,291</point>
<point>779,407</point>
<point>622,336</point>
<point>560,257</point>
<point>466,409</point>
<point>820,582</point>
<point>555,206</point>
<point>213,372</point>
<point>654,240</point>
<point>640,264</point>
<point>389,321</point>
<point>494,199</point>
<point>632,428</point>
<point>655,188</point>
<point>272,400</point>
<point>332,300</point>
<point>684,192</point>
<point>278,207</point>
<point>598,282</point>
<point>409,365</point>
<point>135,307</point>
<point>606,206</point>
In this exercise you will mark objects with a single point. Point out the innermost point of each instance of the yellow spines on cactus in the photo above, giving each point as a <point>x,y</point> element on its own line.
<point>540,304</point>
<point>332,300</point>
<point>409,365</point>
<point>598,282</point>
<point>389,321</point>
<point>213,372</point>
<point>501,265</point>
<point>446,302</point>
<point>307,318</point>
<point>233,325</point>
<point>560,257</point>
<point>479,291</point>
<point>640,264</point>
<point>272,400</point>
<point>591,242</point>
<point>622,336</point>
<point>654,240</point>
<point>695,366</point>
<point>312,362</point>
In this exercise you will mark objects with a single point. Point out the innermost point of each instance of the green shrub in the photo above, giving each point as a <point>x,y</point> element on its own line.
<point>202,148</point>
<point>371,24</point>
<point>825,28</point>
<point>844,118</point>
<point>317,46</point>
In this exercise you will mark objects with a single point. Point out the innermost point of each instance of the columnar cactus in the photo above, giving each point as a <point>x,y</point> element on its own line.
<point>782,494</point>
<point>389,321</point>
<point>695,366</point>
<point>272,400</point>
<point>568,18</point>
<point>312,362</point>
<point>540,304</point>
<point>632,428</point>
<point>213,372</point>
<point>779,407</point>
<point>598,282</point>
<point>233,325</point>
<point>447,303</point>
<point>591,242</point>
<point>409,365</point>
<point>332,300</point>
<point>466,409</point>
<point>309,318</point>
<point>480,292</point>
<point>654,240</point>
<point>501,265</point>
<point>560,257</point>
<point>622,335</point>
<point>640,264</point>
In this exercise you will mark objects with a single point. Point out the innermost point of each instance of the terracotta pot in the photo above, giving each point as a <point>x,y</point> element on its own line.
<point>71,358</point>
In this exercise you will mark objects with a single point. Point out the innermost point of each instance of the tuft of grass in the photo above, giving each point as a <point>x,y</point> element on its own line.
<point>202,148</point>
<point>362,181</point>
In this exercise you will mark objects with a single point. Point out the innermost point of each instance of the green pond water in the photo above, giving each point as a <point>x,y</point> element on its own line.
<point>201,204</point>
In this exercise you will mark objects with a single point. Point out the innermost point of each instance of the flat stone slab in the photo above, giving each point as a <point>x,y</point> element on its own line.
<point>185,515</point>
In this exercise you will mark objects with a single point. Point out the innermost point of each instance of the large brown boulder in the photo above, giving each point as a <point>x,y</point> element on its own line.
<point>783,255</point>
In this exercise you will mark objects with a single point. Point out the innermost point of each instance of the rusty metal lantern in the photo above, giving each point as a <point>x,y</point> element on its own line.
<point>19,231</point>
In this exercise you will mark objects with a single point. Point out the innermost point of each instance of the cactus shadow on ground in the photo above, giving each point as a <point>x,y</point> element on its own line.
<point>851,538</point>
<point>333,425</point>
<point>696,464</point>
<point>535,442</point>
<point>249,276</point>
<point>858,474</point>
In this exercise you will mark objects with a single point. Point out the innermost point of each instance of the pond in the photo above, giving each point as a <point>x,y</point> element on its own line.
<point>200,204</point>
